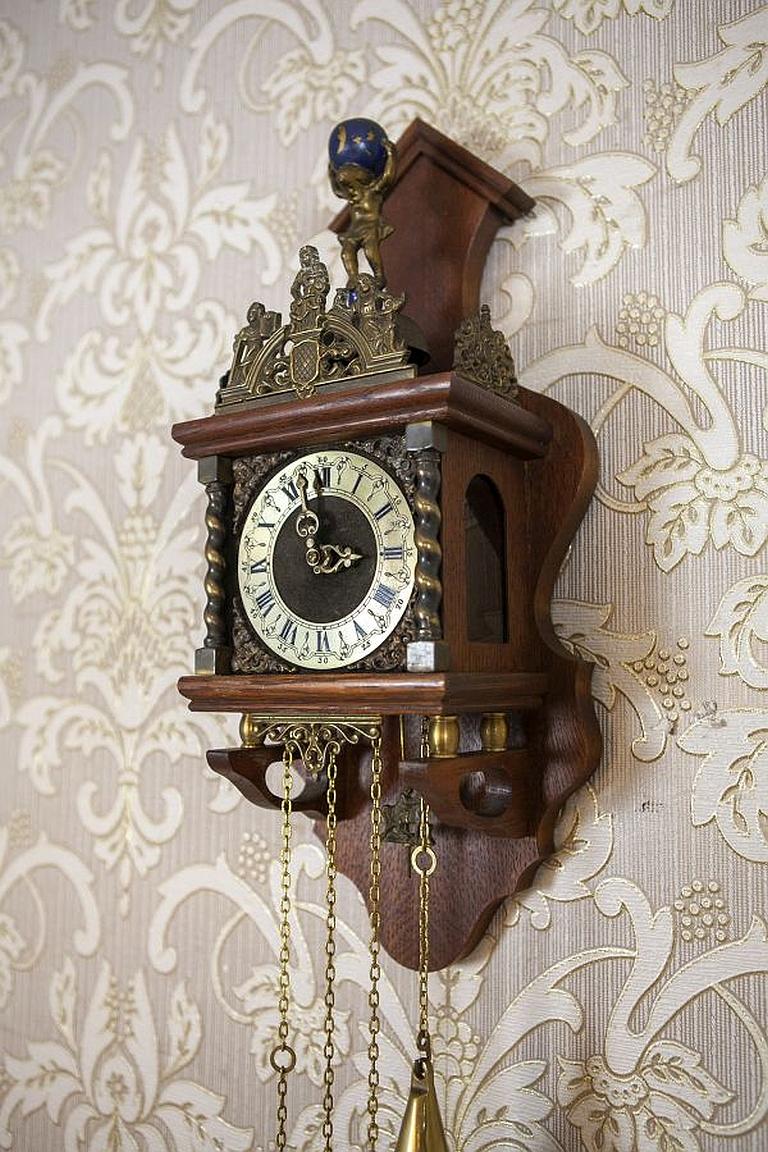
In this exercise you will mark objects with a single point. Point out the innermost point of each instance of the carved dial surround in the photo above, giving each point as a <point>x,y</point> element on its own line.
<point>326,560</point>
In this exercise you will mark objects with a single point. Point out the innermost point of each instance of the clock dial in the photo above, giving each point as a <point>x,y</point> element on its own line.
<point>327,559</point>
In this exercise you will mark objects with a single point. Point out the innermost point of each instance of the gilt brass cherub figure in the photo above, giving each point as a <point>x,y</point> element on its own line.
<point>361,171</point>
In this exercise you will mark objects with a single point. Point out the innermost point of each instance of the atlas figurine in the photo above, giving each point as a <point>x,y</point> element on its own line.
<point>361,170</point>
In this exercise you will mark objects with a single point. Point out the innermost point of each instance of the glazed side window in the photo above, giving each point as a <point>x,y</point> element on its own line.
<point>486,569</point>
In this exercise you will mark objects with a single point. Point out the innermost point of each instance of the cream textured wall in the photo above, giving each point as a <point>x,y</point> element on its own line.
<point>160,161</point>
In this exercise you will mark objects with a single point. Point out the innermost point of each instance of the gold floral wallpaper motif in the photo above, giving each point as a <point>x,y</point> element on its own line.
<point>159,163</point>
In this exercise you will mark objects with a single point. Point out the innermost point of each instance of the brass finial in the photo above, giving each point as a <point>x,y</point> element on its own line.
<point>481,354</point>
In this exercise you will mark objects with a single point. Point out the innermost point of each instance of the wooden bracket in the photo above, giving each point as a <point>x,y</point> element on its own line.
<point>487,792</point>
<point>247,769</point>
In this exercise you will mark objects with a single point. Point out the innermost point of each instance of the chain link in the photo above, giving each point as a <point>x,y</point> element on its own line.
<point>330,950</point>
<point>424,862</point>
<point>283,1057</point>
<point>374,903</point>
<point>424,750</point>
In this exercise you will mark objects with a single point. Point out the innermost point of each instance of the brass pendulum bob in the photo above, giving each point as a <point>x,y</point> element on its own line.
<point>422,1128</point>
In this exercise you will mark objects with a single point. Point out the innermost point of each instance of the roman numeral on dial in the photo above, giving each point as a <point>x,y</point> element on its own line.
<point>323,475</point>
<point>322,641</point>
<point>385,510</point>
<point>288,632</point>
<point>265,602</point>
<point>385,595</point>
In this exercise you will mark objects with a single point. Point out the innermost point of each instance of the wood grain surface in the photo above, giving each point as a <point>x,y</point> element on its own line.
<point>363,409</point>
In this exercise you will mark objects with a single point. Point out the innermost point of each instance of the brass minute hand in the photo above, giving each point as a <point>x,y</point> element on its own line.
<point>324,558</point>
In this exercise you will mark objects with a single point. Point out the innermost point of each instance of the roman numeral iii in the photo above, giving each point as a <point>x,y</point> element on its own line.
<point>385,596</point>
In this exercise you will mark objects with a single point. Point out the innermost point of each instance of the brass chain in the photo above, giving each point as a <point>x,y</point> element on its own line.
<point>424,862</point>
<point>374,903</point>
<point>283,1057</point>
<point>330,950</point>
<point>424,750</point>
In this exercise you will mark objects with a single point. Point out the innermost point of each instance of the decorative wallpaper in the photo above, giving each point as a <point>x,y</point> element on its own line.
<point>160,161</point>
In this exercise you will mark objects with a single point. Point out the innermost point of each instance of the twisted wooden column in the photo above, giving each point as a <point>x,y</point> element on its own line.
<point>427,652</point>
<point>215,472</point>
<point>429,589</point>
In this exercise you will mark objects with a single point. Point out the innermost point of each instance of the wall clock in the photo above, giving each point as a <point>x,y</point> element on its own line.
<point>457,629</point>
<point>387,512</point>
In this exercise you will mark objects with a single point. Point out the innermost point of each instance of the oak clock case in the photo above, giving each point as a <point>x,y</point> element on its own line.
<point>446,654</point>
<point>325,563</point>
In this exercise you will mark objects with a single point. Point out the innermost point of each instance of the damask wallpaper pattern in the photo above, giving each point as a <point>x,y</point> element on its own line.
<point>159,163</point>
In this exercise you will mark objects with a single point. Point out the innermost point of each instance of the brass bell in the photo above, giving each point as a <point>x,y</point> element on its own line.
<point>422,1127</point>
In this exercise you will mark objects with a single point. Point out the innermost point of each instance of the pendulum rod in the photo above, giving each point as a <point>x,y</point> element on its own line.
<point>283,1057</point>
<point>374,904</point>
<point>330,949</point>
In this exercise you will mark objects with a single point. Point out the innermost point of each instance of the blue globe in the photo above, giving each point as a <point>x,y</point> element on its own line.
<point>358,141</point>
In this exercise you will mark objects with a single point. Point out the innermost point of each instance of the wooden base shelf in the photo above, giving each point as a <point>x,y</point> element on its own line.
<point>366,694</point>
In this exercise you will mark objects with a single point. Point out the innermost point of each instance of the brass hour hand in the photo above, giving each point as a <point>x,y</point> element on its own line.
<point>334,557</point>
